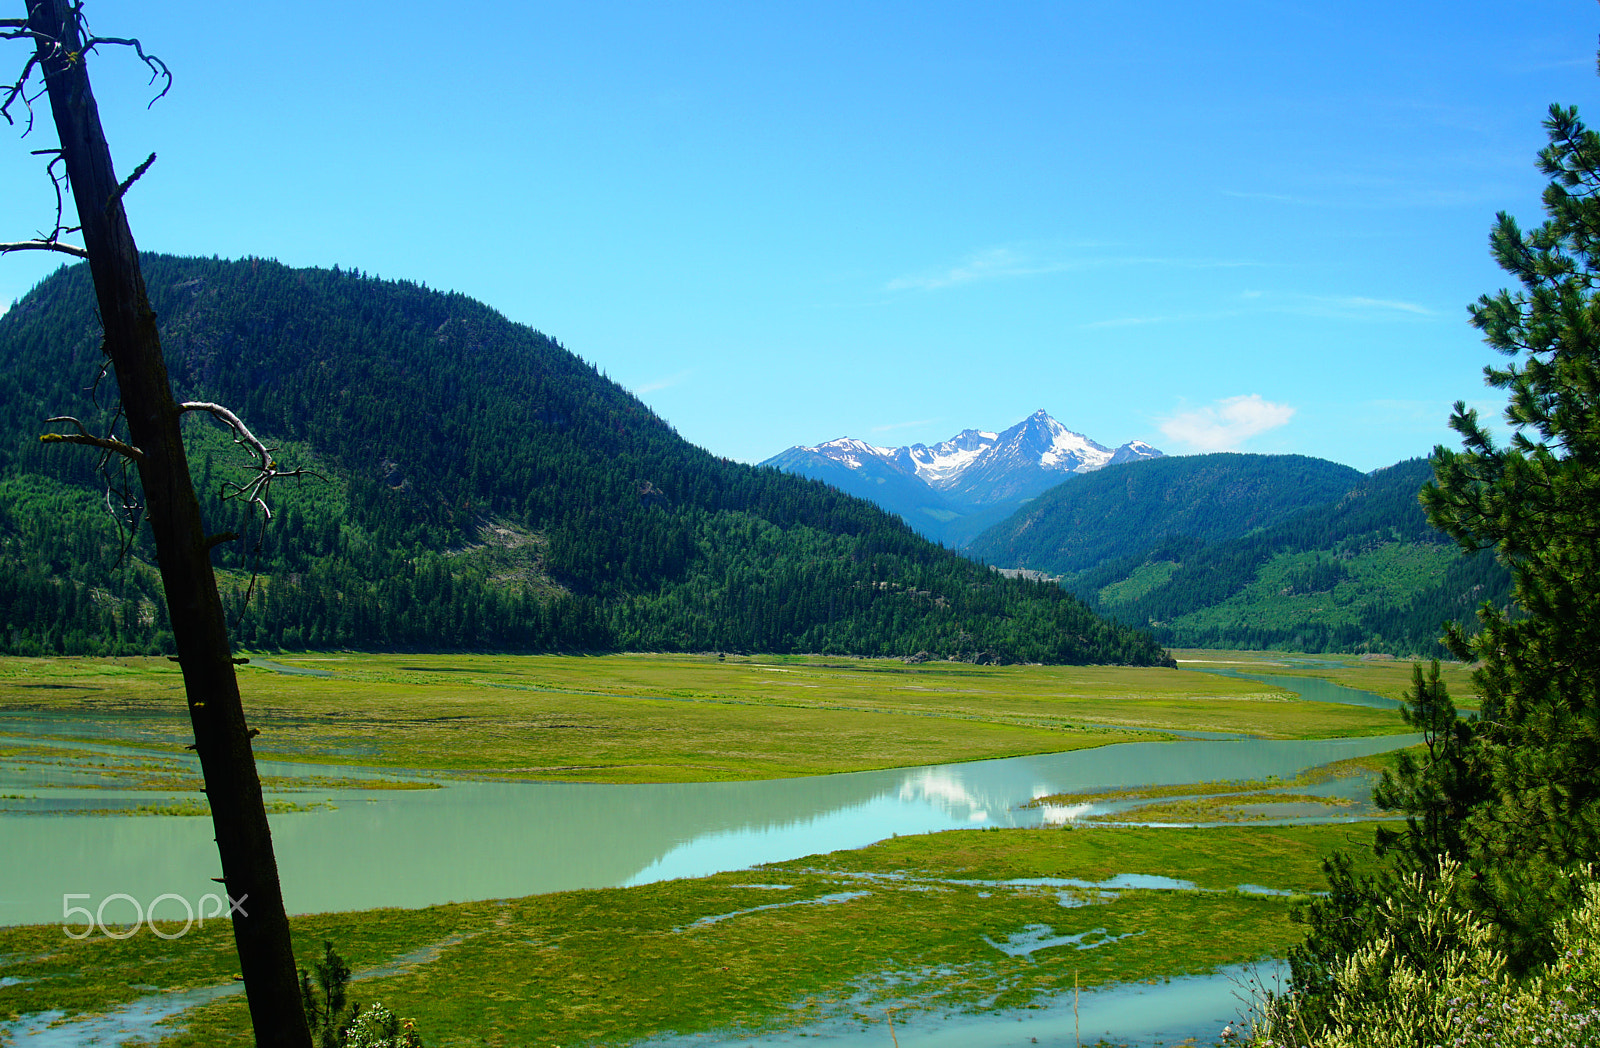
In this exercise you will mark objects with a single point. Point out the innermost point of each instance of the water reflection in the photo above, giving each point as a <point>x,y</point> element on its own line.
<point>483,840</point>
<point>1166,1013</point>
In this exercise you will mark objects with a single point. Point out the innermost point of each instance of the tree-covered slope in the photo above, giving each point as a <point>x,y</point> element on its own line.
<point>484,489</point>
<point>1364,572</point>
<point>1125,509</point>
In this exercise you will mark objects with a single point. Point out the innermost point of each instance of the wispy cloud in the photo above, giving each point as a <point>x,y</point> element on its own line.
<point>996,263</point>
<point>1429,418</point>
<point>1275,198</point>
<point>1378,305</point>
<point>1346,307</point>
<point>1117,322</point>
<point>1011,262</point>
<point>1357,193</point>
<point>891,426</point>
<point>662,383</point>
<point>1416,412</point>
<point>1225,425</point>
<point>1164,318</point>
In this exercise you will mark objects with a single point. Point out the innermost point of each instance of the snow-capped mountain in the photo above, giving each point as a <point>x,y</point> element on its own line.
<point>954,489</point>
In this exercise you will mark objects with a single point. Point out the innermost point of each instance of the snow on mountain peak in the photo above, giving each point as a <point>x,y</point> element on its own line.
<point>944,490</point>
<point>977,465</point>
<point>848,451</point>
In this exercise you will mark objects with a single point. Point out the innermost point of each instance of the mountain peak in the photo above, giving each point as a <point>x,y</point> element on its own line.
<point>975,470</point>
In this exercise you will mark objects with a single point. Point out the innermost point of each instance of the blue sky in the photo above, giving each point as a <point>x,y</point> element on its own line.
<point>1234,225</point>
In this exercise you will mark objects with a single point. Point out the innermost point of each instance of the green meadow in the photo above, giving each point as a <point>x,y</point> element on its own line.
<point>906,928</point>
<point>674,718</point>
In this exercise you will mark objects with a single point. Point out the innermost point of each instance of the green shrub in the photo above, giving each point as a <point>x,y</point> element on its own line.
<point>1448,984</point>
<point>338,1022</point>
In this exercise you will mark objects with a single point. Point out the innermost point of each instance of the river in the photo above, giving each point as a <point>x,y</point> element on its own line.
<point>482,840</point>
<point>491,840</point>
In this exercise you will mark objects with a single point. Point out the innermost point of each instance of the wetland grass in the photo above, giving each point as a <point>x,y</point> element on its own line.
<point>1389,677</point>
<point>676,718</point>
<point>1225,800</point>
<point>80,769</point>
<point>918,924</point>
<point>607,966</point>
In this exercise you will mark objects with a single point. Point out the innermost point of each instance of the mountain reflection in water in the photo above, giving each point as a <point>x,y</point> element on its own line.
<point>484,840</point>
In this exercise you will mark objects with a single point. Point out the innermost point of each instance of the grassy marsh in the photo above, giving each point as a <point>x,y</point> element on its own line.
<point>67,767</point>
<point>1230,800</point>
<point>193,808</point>
<point>904,924</point>
<point>670,718</point>
<point>911,923</point>
<point>1388,677</point>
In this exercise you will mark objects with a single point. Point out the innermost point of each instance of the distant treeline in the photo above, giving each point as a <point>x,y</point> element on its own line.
<point>486,489</point>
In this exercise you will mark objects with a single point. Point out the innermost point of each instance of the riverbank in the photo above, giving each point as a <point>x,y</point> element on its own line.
<point>931,924</point>
<point>1381,674</point>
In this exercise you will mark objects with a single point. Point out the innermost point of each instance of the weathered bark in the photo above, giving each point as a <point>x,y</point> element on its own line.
<point>244,841</point>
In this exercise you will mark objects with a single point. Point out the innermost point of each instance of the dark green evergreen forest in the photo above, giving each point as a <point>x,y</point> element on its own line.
<point>1122,510</point>
<point>484,489</point>
<point>1365,572</point>
<point>1256,552</point>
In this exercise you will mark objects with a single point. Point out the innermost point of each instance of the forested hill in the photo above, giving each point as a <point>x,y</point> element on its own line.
<point>1123,510</point>
<point>1361,572</point>
<point>485,489</point>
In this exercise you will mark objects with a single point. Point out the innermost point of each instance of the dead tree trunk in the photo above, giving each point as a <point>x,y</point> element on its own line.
<point>249,871</point>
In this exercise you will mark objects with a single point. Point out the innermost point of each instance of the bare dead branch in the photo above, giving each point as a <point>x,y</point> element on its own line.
<point>253,491</point>
<point>17,28</point>
<point>43,245</point>
<point>130,180</point>
<point>241,432</point>
<point>57,183</point>
<point>158,68</point>
<point>108,443</point>
<point>83,436</point>
<point>69,418</point>
<point>19,89</point>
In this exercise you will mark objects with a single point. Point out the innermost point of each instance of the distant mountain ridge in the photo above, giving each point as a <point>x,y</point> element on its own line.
<point>1254,551</point>
<point>952,490</point>
<point>1116,512</point>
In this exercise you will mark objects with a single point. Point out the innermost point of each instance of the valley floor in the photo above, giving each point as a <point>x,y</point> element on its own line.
<point>912,926</point>
<point>681,718</point>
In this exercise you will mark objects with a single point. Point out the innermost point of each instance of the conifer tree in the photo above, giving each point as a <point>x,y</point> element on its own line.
<point>1515,795</point>
<point>1536,502</point>
<point>1436,791</point>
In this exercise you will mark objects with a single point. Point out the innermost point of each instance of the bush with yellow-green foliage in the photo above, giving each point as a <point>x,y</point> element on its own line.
<point>1437,978</point>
